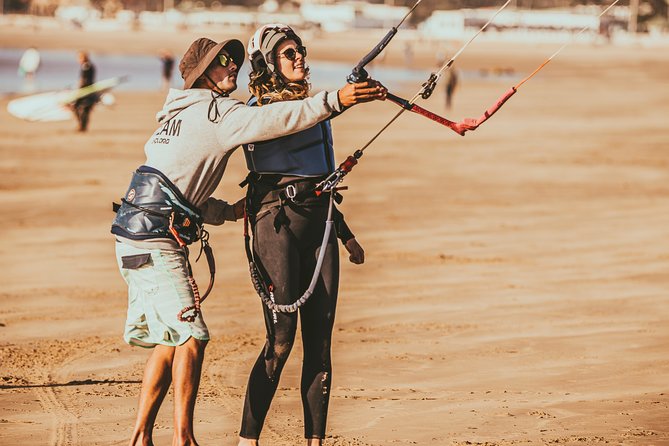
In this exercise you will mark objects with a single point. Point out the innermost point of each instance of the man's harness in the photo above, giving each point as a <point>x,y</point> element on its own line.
<point>154,208</point>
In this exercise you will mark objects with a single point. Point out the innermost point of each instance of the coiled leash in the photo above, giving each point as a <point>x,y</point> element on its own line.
<point>263,286</point>
<point>211,262</point>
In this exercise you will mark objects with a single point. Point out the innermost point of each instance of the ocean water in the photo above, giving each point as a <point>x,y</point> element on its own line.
<point>60,70</point>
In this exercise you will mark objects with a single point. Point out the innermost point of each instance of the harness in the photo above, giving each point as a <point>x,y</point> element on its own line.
<point>153,208</point>
<point>277,197</point>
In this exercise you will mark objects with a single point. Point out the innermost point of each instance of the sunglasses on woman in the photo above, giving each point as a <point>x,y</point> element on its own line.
<point>224,60</point>
<point>291,53</point>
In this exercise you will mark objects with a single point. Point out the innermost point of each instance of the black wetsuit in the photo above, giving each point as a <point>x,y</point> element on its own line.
<point>168,66</point>
<point>83,106</point>
<point>286,245</point>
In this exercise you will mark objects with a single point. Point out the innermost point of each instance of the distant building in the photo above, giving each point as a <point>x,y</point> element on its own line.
<point>341,16</point>
<point>541,24</point>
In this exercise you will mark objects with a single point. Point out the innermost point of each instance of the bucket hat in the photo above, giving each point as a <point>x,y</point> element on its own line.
<point>202,52</point>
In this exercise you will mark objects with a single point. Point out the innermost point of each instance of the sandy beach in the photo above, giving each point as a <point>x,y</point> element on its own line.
<point>516,288</point>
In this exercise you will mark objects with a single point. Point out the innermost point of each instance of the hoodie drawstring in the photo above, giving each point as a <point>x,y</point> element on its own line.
<point>213,105</point>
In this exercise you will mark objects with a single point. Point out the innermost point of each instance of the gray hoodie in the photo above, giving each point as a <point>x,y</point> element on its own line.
<point>193,151</point>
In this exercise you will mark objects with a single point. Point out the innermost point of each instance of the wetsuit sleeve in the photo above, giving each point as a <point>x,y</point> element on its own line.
<point>241,124</point>
<point>341,228</point>
<point>217,212</point>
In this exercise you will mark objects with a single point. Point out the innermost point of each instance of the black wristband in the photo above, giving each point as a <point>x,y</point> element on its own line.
<point>341,228</point>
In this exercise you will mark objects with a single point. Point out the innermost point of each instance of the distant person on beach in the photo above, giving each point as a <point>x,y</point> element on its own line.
<point>288,224</point>
<point>450,85</point>
<point>28,66</point>
<point>169,200</point>
<point>167,60</point>
<point>450,77</point>
<point>408,55</point>
<point>84,105</point>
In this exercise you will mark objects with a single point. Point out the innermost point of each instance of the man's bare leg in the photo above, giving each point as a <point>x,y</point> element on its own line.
<point>155,384</point>
<point>314,442</point>
<point>186,370</point>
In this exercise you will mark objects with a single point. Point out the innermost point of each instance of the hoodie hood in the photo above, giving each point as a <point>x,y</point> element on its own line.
<point>178,100</point>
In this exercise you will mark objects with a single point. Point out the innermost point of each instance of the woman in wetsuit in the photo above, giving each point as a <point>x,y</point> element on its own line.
<point>288,224</point>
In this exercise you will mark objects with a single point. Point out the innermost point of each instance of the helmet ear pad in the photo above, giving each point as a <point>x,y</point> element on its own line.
<point>258,62</point>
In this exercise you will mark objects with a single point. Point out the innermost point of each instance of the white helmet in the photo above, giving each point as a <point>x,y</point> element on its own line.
<point>261,46</point>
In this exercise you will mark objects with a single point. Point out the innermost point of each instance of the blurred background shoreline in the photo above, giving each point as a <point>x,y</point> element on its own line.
<point>126,38</point>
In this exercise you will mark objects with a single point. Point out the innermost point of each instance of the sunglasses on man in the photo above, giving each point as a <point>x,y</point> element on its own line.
<point>224,60</point>
<point>291,53</point>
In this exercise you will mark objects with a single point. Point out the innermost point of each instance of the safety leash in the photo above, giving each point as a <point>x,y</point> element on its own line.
<point>206,248</point>
<point>264,287</point>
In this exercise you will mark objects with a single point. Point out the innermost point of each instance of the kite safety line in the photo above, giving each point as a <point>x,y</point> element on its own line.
<point>562,47</point>
<point>426,90</point>
<point>428,87</point>
<point>470,124</point>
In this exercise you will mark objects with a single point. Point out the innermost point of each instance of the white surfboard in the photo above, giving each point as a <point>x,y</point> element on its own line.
<point>55,106</point>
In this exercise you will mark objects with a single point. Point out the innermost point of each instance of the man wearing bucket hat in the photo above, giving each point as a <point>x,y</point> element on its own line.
<point>168,201</point>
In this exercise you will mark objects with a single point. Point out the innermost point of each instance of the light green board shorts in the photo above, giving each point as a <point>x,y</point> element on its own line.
<point>158,289</point>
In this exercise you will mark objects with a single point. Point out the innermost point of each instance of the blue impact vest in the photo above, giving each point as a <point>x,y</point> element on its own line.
<point>309,153</point>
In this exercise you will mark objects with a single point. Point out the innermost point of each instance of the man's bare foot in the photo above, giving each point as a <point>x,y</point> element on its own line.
<point>247,442</point>
<point>139,439</point>
<point>188,440</point>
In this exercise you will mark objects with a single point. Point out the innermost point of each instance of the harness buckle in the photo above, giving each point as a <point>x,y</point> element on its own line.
<point>291,192</point>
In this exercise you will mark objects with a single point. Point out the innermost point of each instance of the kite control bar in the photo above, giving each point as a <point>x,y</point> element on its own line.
<point>359,74</point>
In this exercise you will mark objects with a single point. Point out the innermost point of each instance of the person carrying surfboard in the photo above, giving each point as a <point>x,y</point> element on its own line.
<point>83,106</point>
<point>168,201</point>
